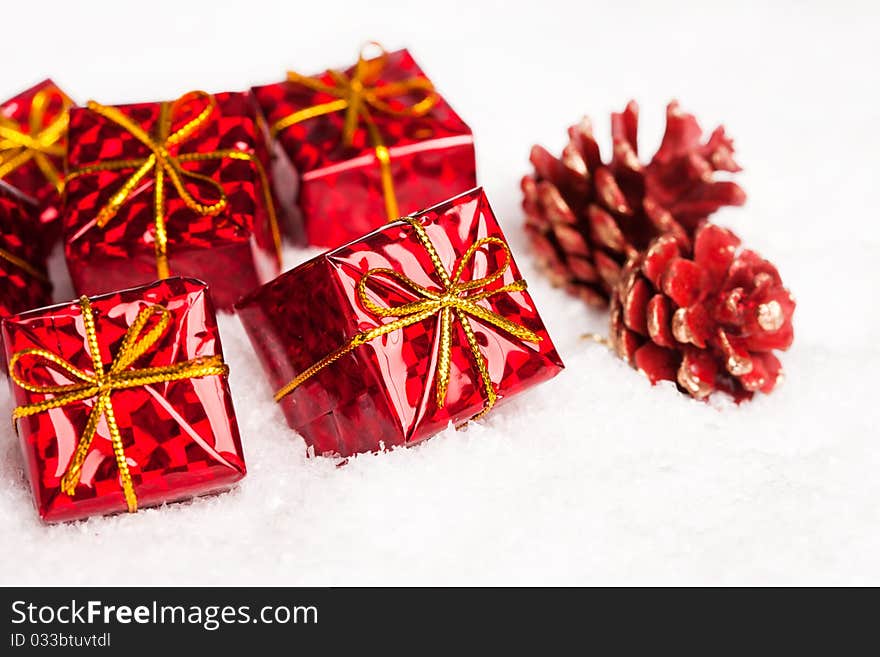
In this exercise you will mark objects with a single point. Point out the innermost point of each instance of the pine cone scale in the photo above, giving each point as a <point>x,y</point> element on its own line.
<point>596,214</point>
<point>708,317</point>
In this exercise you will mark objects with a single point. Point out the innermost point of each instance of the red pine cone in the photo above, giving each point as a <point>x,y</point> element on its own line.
<point>585,217</point>
<point>708,317</point>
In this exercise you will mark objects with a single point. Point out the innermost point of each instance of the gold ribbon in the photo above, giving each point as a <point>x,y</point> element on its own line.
<point>456,299</point>
<point>101,382</point>
<point>24,265</point>
<point>41,141</point>
<point>163,165</point>
<point>358,96</point>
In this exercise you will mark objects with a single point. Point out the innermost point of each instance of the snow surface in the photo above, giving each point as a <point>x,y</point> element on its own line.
<point>595,477</point>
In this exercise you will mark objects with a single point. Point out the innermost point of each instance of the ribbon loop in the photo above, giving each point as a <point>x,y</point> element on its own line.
<point>40,142</point>
<point>468,257</point>
<point>401,280</point>
<point>357,95</point>
<point>451,302</point>
<point>102,382</point>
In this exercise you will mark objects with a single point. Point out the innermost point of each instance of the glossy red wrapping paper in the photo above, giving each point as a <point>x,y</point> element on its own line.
<point>382,393</point>
<point>29,178</point>
<point>334,191</point>
<point>180,438</point>
<point>233,251</point>
<point>21,288</point>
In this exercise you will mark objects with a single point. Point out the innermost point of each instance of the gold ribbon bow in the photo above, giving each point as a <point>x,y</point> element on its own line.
<point>162,164</point>
<point>456,299</point>
<point>357,96</point>
<point>101,382</point>
<point>40,143</point>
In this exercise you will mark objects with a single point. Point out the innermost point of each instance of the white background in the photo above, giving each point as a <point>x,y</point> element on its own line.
<point>595,477</point>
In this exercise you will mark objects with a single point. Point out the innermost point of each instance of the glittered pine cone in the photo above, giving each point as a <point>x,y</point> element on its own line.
<point>585,217</point>
<point>707,317</point>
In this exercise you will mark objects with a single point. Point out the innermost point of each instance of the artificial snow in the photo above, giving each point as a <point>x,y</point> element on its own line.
<point>595,477</point>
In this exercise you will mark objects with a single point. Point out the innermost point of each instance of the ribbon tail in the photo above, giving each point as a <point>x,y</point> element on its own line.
<point>109,210</point>
<point>49,171</point>
<point>480,362</point>
<point>176,173</point>
<point>444,355</point>
<point>70,480</point>
<point>119,453</point>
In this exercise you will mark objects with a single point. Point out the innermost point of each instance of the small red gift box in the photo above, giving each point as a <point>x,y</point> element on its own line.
<point>24,283</point>
<point>387,339</point>
<point>33,139</point>
<point>178,188</point>
<point>356,148</point>
<point>122,400</point>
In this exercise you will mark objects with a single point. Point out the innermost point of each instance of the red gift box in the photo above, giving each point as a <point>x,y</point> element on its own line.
<point>358,147</point>
<point>387,339</point>
<point>24,282</point>
<point>122,400</point>
<point>180,188</point>
<point>33,139</point>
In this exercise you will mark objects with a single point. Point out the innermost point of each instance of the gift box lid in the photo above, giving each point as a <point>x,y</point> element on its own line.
<point>317,142</point>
